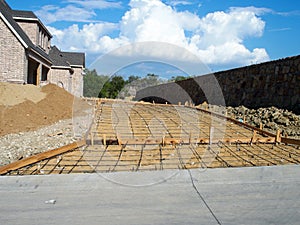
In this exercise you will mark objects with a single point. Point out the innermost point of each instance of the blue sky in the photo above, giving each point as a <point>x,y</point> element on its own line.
<point>222,34</point>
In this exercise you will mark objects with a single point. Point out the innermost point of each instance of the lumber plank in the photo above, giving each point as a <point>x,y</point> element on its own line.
<point>39,157</point>
<point>290,141</point>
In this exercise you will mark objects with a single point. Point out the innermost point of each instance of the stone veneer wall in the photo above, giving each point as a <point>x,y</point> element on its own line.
<point>72,83</point>
<point>31,29</point>
<point>274,83</point>
<point>77,82</point>
<point>61,77</point>
<point>13,62</point>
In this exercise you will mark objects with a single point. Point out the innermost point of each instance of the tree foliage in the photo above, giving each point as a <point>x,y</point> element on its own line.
<point>116,87</point>
<point>112,88</point>
<point>93,83</point>
<point>178,78</point>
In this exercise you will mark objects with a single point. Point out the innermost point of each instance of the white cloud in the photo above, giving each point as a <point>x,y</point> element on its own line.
<point>49,14</point>
<point>75,10</point>
<point>178,2</point>
<point>96,4</point>
<point>91,38</point>
<point>217,38</point>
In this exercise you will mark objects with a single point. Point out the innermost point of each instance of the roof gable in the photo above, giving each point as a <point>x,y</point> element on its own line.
<point>6,13</point>
<point>66,59</point>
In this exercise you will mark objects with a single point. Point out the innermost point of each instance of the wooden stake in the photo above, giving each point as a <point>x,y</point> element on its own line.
<point>260,126</point>
<point>278,136</point>
<point>104,139</point>
<point>253,139</point>
<point>119,140</point>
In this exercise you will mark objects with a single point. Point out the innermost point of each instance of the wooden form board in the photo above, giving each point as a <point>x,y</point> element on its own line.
<point>39,157</point>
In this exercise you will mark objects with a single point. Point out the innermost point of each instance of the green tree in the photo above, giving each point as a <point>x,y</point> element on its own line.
<point>112,88</point>
<point>93,83</point>
<point>132,78</point>
<point>178,78</point>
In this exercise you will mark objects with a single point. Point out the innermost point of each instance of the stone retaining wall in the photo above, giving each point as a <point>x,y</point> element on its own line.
<point>274,83</point>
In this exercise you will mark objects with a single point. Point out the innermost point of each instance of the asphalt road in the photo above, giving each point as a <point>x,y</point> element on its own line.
<point>256,195</point>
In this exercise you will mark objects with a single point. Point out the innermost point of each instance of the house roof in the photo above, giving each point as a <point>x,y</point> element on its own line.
<point>6,13</point>
<point>24,14</point>
<point>66,59</point>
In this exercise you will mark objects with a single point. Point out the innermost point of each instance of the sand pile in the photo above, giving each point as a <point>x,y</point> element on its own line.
<point>28,107</point>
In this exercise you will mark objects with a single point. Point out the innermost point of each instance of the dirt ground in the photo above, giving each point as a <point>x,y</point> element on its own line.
<point>28,107</point>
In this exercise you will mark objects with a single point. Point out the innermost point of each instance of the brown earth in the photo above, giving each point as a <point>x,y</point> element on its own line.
<point>27,107</point>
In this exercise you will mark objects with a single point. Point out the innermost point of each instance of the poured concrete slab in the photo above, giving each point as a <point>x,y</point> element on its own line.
<point>256,195</point>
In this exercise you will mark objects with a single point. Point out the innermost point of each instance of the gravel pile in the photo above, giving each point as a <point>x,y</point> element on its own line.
<point>271,118</point>
<point>24,144</point>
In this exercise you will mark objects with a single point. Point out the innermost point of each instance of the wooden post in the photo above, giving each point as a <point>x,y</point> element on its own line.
<point>209,134</point>
<point>278,136</point>
<point>119,140</point>
<point>38,74</point>
<point>260,126</point>
<point>253,139</point>
<point>104,139</point>
<point>244,119</point>
<point>163,141</point>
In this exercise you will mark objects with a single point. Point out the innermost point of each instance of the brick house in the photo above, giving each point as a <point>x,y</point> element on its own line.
<point>26,54</point>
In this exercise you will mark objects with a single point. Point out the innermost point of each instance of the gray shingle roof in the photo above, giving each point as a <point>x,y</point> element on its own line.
<point>7,12</point>
<point>66,59</point>
<point>24,14</point>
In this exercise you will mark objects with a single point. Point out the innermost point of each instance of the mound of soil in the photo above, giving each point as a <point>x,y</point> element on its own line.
<point>27,107</point>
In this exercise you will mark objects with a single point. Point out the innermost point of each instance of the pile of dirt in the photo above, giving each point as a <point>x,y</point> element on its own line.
<point>28,107</point>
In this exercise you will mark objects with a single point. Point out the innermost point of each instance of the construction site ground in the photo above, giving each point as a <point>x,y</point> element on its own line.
<point>128,136</point>
<point>146,163</point>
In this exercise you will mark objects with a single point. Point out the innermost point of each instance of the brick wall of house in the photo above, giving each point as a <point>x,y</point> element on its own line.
<point>77,82</point>
<point>61,77</point>
<point>35,32</point>
<point>13,63</point>
<point>71,83</point>
<point>31,29</point>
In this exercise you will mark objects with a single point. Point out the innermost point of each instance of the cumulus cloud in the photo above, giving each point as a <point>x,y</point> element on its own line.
<point>216,38</point>
<point>74,10</point>
<point>91,38</point>
<point>49,14</point>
